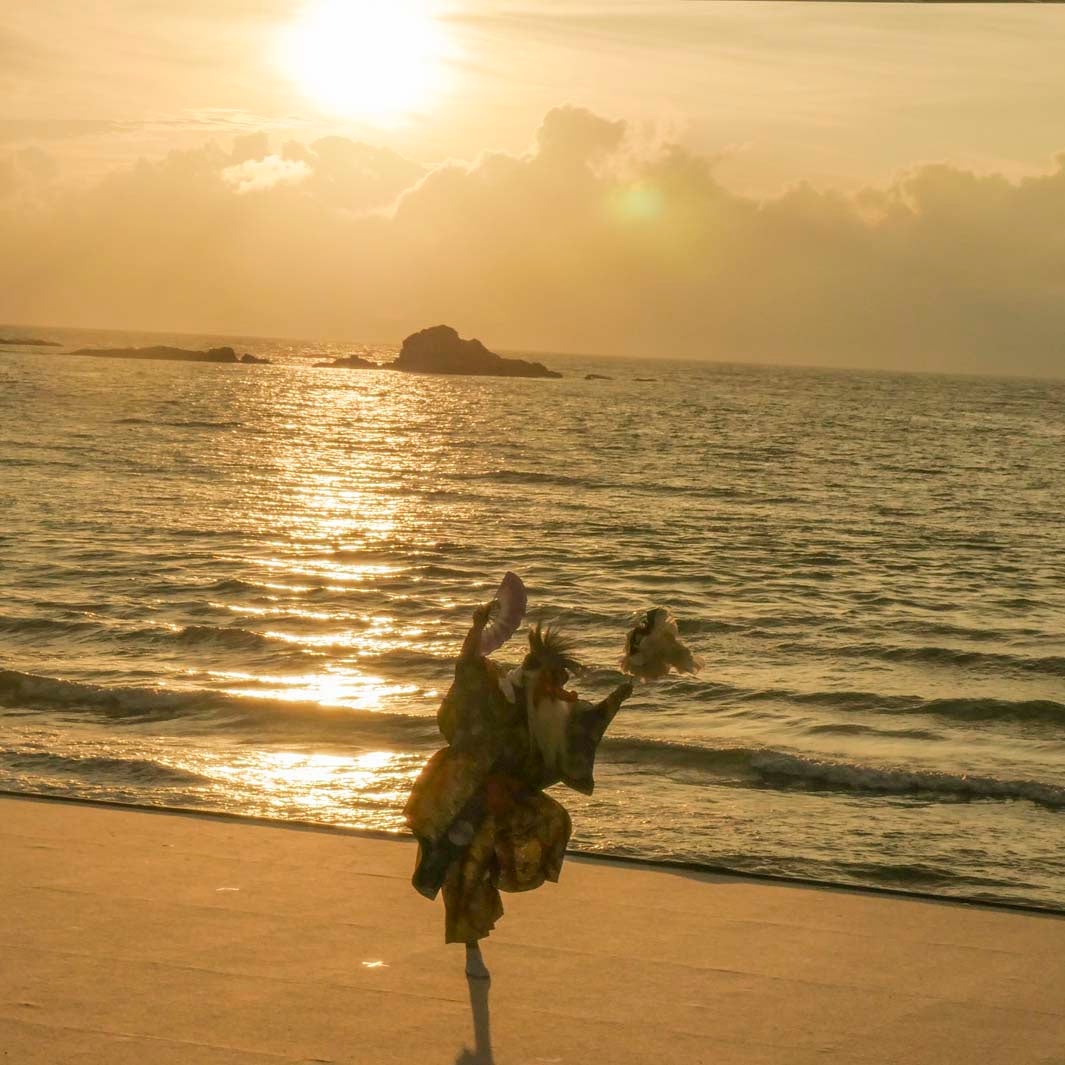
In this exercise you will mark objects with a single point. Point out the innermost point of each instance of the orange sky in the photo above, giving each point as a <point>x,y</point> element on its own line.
<point>396,156</point>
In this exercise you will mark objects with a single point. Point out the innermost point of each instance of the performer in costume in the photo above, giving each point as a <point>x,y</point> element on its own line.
<point>478,808</point>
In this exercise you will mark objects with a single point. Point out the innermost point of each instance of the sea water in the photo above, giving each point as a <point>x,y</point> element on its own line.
<point>242,588</point>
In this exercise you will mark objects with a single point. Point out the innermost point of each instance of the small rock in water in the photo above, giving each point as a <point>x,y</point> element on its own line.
<point>350,362</point>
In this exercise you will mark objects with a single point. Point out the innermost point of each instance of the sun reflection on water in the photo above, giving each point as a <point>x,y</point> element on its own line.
<point>308,567</point>
<point>267,611</point>
<point>357,691</point>
<point>360,790</point>
<point>318,578</point>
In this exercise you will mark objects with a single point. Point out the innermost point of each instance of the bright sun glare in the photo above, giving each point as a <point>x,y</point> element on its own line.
<point>374,60</point>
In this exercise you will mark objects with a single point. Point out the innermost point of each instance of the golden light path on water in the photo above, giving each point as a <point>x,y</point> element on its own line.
<point>275,783</point>
<point>347,512</point>
<point>330,689</point>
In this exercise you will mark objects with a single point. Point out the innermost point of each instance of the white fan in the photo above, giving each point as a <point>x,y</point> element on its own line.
<point>511,601</point>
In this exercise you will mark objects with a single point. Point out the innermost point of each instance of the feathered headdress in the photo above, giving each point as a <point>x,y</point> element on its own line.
<point>549,649</point>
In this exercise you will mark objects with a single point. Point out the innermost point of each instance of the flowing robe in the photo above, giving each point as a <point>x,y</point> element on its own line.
<point>478,808</point>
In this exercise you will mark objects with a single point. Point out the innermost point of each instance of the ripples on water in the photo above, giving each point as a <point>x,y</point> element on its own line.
<point>240,588</point>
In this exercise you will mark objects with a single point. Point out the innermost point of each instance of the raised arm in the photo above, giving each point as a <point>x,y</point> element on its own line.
<point>471,646</point>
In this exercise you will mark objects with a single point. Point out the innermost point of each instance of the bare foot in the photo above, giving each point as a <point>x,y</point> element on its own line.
<point>475,966</point>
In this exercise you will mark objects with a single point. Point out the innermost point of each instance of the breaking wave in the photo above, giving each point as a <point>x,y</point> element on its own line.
<point>1052,665</point>
<point>97,768</point>
<point>962,709</point>
<point>215,710</point>
<point>768,767</point>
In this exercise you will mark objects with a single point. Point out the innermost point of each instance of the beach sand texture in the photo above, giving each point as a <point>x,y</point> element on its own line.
<point>132,936</point>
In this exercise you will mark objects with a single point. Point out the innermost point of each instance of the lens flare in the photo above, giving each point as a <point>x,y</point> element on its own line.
<point>639,202</point>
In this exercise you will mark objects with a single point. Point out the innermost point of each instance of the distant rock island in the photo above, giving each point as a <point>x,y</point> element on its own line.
<point>351,362</point>
<point>30,342</point>
<point>437,350</point>
<point>441,350</point>
<point>597,377</point>
<point>161,352</point>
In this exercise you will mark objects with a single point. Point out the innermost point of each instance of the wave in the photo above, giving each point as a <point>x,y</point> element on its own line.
<point>404,657</point>
<point>968,710</point>
<point>657,487</point>
<point>853,728</point>
<point>215,711</point>
<point>929,627</point>
<point>204,425</point>
<point>1045,710</point>
<point>238,585</point>
<point>129,770</point>
<point>226,713</point>
<point>897,781</point>
<point>1054,665</point>
<point>782,768</point>
<point>532,477</point>
<point>8,460</point>
<point>234,584</point>
<point>48,626</point>
<point>965,709</point>
<point>233,637</point>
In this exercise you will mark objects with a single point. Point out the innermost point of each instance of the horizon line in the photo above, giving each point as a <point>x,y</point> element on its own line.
<point>698,359</point>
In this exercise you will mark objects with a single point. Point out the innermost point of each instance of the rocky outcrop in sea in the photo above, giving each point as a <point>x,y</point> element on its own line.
<point>161,352</point>
<point>441,350</point>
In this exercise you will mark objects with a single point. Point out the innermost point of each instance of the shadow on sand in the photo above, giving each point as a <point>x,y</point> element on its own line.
<point>482,1027</point>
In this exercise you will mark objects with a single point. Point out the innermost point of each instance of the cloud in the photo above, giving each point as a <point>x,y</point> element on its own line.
<point>591,240</point>
<point>27,172</point>
<point>255,175</point>
<point>53,129</point>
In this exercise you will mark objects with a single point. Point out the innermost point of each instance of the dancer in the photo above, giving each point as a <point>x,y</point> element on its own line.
<point>478,808</point>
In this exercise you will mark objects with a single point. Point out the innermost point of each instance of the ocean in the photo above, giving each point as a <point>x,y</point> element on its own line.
<point>241,588</point>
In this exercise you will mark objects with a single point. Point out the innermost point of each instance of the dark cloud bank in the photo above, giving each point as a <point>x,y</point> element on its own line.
<point>583,243</point>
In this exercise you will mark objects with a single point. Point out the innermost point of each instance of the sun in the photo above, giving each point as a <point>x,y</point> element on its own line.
<point>375,60</point>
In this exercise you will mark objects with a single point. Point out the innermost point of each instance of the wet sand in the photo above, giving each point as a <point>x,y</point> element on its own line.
<point>130,936</point>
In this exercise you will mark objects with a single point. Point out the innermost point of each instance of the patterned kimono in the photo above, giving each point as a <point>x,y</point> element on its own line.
<point>478,808</point>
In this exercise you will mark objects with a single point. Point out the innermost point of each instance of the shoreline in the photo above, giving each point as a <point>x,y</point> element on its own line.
<point>661,864</point>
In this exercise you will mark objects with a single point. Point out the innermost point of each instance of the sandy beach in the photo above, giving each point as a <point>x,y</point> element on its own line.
<point>133,936</point>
